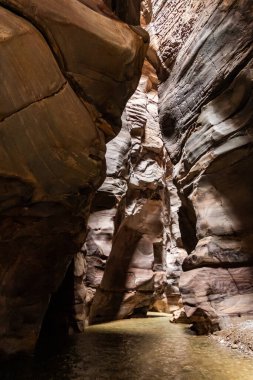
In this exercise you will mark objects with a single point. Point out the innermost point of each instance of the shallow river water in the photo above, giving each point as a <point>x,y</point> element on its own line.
<point>132,349</point>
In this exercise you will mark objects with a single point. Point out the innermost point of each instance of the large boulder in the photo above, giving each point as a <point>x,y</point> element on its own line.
<point>64,70</point>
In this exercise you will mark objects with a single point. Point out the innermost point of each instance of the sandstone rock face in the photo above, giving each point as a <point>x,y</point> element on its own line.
<point>136,181</point>
<point>133,260</point>
<point>59,61</point>
<point>67,70</point>
<point>135,214</point>
<point>206,122</point>
<point>78,60</point>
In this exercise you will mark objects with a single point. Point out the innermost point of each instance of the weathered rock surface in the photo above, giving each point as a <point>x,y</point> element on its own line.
<point>206,122</point>
<point>132,221</point>
<point>134,217</point>
<point>57,70</point>
<point>136,231</point>
<point>78,60</point>
<point>202,52</point>
<point>126,10</point>
<point>67,70</point>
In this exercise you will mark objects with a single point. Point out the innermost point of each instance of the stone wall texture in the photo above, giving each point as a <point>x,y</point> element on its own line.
<point>202,54</point>
<point>171,223</point>
<point>135,214</point>
<point>67,72</point>
<point>205,109</point>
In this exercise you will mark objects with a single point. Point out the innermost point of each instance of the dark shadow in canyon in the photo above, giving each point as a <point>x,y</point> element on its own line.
<point>58,318</point>
<point>187,224</point>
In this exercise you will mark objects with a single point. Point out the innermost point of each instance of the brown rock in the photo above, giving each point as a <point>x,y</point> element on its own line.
<point>212,296</point>
<point>206,122</point>
<point>116,74</point>
<point>52,150</point>
<point>138,274</point>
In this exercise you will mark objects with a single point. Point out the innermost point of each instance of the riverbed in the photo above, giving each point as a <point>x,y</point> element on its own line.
<point>150,348</point>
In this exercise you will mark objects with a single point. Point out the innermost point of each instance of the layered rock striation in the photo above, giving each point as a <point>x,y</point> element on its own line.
<point>134,250</point>
<point>66,74</point>
<point>67,71</point>
<point>206,121</point>
<point>202,54</point>
<point>129,224</point>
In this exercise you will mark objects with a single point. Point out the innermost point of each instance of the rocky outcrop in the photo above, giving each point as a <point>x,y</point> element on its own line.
<point>206,122</point>
<point>66,74</point>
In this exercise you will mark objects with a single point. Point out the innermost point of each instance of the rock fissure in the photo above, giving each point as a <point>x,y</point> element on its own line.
<point>36,101</point>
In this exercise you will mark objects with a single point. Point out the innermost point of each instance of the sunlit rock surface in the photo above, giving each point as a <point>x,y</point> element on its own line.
<point>66,74</point>
<point>206,122</point>
<point>135,183</point>
<point>133,219</point>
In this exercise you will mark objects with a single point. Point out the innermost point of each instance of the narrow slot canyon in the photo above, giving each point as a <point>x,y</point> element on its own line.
<point>126,189</point>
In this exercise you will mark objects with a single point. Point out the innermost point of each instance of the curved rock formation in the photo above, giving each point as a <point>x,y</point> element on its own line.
<point>206,122</point>
<point>66,74</point>
<point>67,70</point>
<point>202,52</point>
<point>135,179</point>
<point>132,222</point>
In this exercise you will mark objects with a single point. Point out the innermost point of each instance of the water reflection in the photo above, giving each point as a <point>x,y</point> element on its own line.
<point>149,348</point>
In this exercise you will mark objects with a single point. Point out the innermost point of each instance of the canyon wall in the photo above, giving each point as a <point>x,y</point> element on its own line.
<point>136,180</point>
<point>131,222</point>
<point>134,249</point>
<point>202,53</point>
<point>59,105</point>
<point>175,183</point>
<point>205,108</point>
